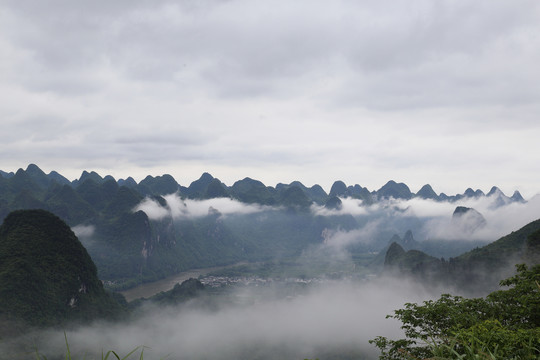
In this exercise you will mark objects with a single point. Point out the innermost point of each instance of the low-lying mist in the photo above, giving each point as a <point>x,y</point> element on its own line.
<point>335,317</point>
<point>178,208</point>
<point>328,318</point>
<point>429,219</point>
<point>432,220</point>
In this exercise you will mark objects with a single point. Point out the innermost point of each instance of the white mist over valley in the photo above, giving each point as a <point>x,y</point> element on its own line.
<point>330,317</point>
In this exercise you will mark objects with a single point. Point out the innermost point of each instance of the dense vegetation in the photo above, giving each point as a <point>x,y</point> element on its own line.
<point>46,275</point>
<point>503,325</point>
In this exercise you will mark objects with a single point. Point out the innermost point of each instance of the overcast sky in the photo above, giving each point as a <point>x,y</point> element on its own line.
<point>439,92</point>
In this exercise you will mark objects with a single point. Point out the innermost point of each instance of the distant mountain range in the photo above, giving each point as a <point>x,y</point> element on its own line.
<point>247,190</point>
<point>123,246</point>
<point>129,247</point>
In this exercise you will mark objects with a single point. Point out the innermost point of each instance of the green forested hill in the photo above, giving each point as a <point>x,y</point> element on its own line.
<point>510,246</point>
<point>475,271</point>
<point>46,275</point>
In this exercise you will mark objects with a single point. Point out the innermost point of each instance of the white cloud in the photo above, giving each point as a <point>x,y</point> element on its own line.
<point>348,206</point>
<point>177,207</point>
<point>84,231</point>
<point>153,209</point>
<point>338,240</point>
<point>432,220</point>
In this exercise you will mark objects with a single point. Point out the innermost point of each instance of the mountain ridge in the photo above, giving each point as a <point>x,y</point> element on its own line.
<point>255,192</point>
<point>139,232</point>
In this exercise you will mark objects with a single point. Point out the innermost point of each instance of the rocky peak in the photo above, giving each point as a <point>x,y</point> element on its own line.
<point>495,191</point>
<point>427,192</point>
<point>517,197</point>
<point>394,252</point>
<point>408,239</point>
<point>468,219</point>
<point>338,189</point>
<point>395,190</point>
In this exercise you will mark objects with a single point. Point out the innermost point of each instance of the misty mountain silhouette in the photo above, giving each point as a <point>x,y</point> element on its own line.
<point>475,271</point>
<point>468,220</point>
<point>394,190</point>
<point>248,190</point>
<point>427,192</point>
<point>130,244</point>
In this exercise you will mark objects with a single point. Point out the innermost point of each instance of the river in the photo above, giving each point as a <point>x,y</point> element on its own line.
<point>148,289</point>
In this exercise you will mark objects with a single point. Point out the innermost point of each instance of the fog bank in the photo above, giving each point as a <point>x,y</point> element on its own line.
<point>331,317</point>
<point>432,220</point>
<point>178,208</point>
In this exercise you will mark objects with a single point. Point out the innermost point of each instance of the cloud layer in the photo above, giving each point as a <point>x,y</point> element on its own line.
<point>316,91</point>
<point>430,220</point>
<point>177,208</point>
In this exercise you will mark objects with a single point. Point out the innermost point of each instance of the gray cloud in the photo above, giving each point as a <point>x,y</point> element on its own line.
<point>445,45</point>
<point>361,90</point>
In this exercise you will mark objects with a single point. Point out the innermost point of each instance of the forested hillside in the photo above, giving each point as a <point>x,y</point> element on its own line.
<point>46,275</point>
<point>474,271</point>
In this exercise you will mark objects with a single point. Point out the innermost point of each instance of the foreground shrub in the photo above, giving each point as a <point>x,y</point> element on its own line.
<point>503,325</point>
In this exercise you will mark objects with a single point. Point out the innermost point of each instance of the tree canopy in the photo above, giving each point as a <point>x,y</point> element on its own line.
<point>503,325</point>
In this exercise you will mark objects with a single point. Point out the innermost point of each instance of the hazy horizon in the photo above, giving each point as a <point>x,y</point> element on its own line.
<point>509,191</point>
